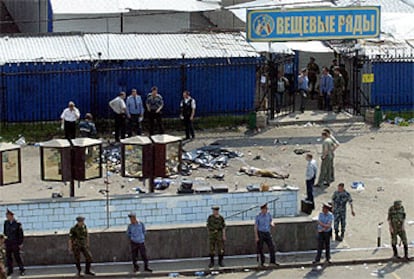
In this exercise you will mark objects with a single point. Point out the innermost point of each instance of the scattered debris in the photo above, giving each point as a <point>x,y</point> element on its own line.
<point>199,273</point>
<point>377,162</point>
<point>21,141</point>
<point>380,189</point>
<point>253,188</point>
<point>173,274</point>
<point>308,125</point>
<point>219,176</point>
<point>357,185</point>
<point>300,151</point>
<point>257,157</point>
<point>56,195</point>
<point>138,190</point>
<point>103,192</point>
<point>112,155</point>
<point>161,184</point>
<point>210,156</point>
<point>400,121</point>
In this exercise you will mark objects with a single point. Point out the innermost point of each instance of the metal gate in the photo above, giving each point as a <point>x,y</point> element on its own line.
<point>267,97</point>
<point>392,87</point>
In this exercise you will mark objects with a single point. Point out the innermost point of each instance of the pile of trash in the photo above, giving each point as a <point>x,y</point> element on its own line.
<point>400,121</point>
<point>211,156</point>
<point>112,156</point>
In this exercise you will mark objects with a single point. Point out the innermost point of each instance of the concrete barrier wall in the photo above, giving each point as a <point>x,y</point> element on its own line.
<point>185,241</point>
<point>59,215</point>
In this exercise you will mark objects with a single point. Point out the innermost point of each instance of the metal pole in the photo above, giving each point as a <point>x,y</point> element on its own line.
<point>107,194</point>
<point>72,169</point>
<point>379,235</point>
<point>122,22</point>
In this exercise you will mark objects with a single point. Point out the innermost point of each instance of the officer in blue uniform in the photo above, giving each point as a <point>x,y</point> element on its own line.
<point>14,232</point>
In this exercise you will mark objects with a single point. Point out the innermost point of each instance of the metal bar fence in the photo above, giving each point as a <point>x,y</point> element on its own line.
<point>32,92</point>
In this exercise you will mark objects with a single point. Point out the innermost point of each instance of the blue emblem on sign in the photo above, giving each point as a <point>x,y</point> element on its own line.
<point>263,25</point>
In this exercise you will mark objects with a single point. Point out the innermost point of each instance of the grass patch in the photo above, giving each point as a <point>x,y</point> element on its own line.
<point>32,132</point>
<point>43,131</point>
<point>403,114</point>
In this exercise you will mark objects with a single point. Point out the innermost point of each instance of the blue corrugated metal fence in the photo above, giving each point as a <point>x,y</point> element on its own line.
<point>393,87</point>
<point>40,91</point>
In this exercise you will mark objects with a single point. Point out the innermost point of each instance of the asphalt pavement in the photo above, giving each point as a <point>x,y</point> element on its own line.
<point>236,265</point>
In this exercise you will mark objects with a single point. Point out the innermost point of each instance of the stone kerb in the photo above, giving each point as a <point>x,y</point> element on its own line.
<point>59,215</point>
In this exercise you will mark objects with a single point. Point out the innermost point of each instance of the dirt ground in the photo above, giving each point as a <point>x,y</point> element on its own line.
<point>382,159</point>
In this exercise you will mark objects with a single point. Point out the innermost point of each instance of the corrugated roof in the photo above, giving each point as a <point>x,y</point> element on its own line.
<point>16,49</point>
<point>387,6</point>
<point>385,47</point>
<point>58,47</point>
<point>124,6</point>
<point>168,46</point>
<point>267,4</point>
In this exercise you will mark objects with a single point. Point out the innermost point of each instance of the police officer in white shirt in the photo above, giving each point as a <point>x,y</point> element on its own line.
<point>69,117</point>
<point>119,107</point>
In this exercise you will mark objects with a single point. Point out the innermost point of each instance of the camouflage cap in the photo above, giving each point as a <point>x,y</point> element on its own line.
<point>215,207</point>
<point>397,203</point>
<point>9,212</point>
<point>263,206</point>
<point>80,218</point>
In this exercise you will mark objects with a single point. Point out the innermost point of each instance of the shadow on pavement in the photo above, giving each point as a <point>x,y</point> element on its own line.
<point>274,141</point>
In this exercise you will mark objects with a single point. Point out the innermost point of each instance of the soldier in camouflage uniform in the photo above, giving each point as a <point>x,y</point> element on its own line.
<point>2,257</point>
<point>396,219</point>
<point>339,200</point>
<point>338,91</point>
<point>79,243</point>
<point>313,72</point>
<point>217,235</point>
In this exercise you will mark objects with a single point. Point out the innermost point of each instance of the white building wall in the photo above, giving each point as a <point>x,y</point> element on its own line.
<point>132,22</point>
<point>86,23</point>
<point>224,18</point>
<point>30,16</point>
<point>166,22</point>
<point>59,215</point>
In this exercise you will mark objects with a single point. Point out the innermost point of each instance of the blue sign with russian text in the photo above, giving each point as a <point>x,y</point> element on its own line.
<point>313,24</point>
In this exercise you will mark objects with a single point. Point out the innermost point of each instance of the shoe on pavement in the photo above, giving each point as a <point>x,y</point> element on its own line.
<point>273,265</point>
<point>22,272</point>
<point>328,262</point>
<point>316,261</point>
<point>148,269</point>
<point>338,238</point>
<point>79,274</point>
<point>91,273</point>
